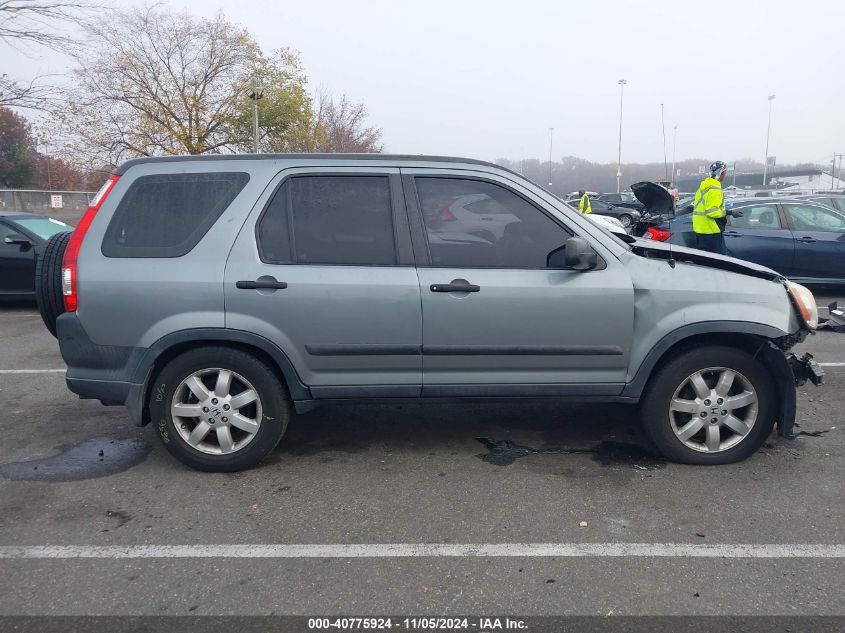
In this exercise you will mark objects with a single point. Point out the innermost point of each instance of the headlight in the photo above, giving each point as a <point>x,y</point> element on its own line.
<point>806,303</point>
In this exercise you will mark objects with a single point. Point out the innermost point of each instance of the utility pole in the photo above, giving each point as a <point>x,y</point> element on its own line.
<point>832,171</point>
<point>768,131</point>
<point>674,148</point>
<point>663,127</point>
<point>256,92</point>
<point>551,134</point>
<point>621,83</point>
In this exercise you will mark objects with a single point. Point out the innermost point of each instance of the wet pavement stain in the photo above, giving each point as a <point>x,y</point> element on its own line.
<point>607,453</point>
<point>98,457</point>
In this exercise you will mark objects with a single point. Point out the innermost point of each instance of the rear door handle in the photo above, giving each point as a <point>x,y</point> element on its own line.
<point>732,234</point>
<point>807,239</point>
<point>262,284</point>
<point>455,287</point>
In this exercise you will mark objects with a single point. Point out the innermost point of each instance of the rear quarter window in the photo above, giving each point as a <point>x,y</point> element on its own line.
<point>167,215</point>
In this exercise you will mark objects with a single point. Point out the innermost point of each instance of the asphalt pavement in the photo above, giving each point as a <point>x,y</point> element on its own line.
<point>530,509</point>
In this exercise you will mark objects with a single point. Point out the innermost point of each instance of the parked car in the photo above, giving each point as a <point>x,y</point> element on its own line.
<point>213,296</point>
<point>801,239</point>
<point>684,204</point>
<point>22,237</point>
<point>623,199</point>
<point>658,205</point>
<point>626,216</point>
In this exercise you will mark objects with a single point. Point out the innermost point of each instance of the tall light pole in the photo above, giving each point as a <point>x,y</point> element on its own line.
<point>768,132</point>
<point>551,135</point>
<point>621,83</point>
<point>663,128</point>
<point>256,92</point>
<point>674,147</point>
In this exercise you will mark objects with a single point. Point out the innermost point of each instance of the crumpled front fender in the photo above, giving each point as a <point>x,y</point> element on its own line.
<point>788,371</point>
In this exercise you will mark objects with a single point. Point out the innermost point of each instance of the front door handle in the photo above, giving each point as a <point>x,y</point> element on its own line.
<point>262,283</point>
<point>807,239</point>
<point>732,234</point>
<point>455,287</point>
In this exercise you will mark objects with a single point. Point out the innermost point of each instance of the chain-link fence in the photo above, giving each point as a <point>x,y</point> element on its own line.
<point>67,206</point>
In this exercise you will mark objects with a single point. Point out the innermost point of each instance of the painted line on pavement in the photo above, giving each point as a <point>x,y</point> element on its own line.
<point>428,550</point>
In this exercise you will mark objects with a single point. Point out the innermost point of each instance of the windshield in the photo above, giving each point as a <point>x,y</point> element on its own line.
<point>45,228</point>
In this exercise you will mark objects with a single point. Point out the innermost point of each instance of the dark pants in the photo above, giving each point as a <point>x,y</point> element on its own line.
<point>713,242</point>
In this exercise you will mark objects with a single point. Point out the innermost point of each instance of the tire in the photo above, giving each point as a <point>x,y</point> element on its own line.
<point>48,280</point>
<point>270,411</point>
<point>672,387</point>
<point>626,220</point>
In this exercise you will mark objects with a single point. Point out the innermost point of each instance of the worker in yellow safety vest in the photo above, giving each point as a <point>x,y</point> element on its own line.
<point>584,206</point>
<point>709,216</point>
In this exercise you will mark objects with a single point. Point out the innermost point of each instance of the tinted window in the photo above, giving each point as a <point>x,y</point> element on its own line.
<point>167,215</point>
<point>804,217</point>
<point>6,231</point>
<point>838,203</point>
<point>519,235</point>
<point>329,220</point>
<point>764,216</point>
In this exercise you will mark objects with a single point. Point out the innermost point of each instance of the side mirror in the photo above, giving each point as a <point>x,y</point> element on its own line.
<point>21,240</point>
<point>575,254</point>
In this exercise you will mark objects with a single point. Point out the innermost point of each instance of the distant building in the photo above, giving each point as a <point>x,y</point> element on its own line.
<point>780,182</point>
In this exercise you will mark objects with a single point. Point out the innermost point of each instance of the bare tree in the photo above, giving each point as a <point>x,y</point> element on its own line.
<point>158,82</point>
<point>33,95</point>
<point>341,126</point>
<point>39,22</point>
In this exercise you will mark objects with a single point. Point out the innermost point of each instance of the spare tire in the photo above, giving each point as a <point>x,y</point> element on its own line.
<point>48,280</point>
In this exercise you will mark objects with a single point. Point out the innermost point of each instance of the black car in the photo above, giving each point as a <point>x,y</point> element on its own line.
<point>22,235</point>
<point>625,215</point>
<point>624,199</point>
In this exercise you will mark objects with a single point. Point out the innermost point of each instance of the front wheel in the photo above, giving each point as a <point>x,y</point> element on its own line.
<point>626,220</point>
<point>219,409</point>
<point>713,405</point>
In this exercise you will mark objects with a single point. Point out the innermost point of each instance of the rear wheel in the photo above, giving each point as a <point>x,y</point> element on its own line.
<point>714,405</point>
<point>48,280</point>
<point>219,409</point>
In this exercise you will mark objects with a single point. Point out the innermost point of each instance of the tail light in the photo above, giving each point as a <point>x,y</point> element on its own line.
<point>656,234</point>
<point>69,263</point>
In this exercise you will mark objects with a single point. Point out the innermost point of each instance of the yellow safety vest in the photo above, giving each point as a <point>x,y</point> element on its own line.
<point>709,206</point>
<point>584,206</point>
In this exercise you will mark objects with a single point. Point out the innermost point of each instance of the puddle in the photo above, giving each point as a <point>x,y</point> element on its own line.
<point>505,453</point>
<point>98,457</point>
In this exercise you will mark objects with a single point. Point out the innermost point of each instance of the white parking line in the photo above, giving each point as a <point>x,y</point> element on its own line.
<point>32,371</point>
<point>832,364</point>
<point>428,550</point>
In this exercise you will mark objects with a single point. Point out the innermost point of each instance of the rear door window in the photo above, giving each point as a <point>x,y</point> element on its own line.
<point>805,217</point>
<point>329,220</point>
<point>167,215</point>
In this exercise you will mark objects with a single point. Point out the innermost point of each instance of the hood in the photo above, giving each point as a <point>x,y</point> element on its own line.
<point>669,251</point>
<point>656,199</point>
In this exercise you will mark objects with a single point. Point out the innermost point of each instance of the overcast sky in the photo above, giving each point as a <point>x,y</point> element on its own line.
<point>487,79</point>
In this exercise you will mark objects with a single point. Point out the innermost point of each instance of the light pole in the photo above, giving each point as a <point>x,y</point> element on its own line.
<point>621,83</point>
<point>674,147</point>
<point>663,128</point>
<point>768,132</point>
<point>551,135</point>
<point>256,92</point>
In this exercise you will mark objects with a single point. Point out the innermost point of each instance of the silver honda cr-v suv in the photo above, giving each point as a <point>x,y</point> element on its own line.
<point>213,296</point>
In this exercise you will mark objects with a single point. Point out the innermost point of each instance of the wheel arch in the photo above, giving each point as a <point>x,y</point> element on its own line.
<point>748,336</point>
<point>169,347</point>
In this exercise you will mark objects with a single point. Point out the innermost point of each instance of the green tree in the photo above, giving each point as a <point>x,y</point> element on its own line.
<point>17,154</point>
<point>285,116</point>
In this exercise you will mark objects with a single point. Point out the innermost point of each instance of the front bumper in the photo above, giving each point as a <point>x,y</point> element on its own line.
<point>804,369</point>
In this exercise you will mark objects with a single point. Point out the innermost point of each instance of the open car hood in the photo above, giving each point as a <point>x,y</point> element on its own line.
<point>655,198</point>
<point>668,251</point>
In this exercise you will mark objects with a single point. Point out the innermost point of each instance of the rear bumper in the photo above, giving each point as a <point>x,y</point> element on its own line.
<point>101,372</point>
